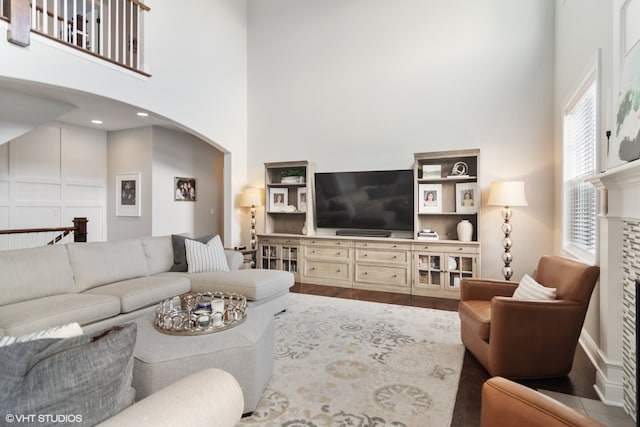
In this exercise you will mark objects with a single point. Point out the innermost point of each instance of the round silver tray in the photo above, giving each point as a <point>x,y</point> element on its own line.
<point>200,313</point>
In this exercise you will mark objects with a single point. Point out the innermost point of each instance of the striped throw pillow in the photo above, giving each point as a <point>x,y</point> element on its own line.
<point>64,331</point>
<point>529,289</point>
<point>209,257</point>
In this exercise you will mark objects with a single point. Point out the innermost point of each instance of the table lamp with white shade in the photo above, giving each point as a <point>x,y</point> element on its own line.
<point>507,194</point>
<point>250,198</point>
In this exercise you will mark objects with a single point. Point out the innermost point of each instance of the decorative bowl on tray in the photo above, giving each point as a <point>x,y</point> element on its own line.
<point>197,313</point>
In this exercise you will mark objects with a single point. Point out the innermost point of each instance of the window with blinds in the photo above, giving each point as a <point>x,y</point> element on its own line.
<point>579,163</point>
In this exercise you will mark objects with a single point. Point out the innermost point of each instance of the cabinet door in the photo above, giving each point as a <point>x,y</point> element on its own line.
<point>459,266</point>
<point>430,270</point>
<point>269,257</point>
<point>289,256</point>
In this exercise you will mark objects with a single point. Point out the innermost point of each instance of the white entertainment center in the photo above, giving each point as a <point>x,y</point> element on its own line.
<point>356,258</point>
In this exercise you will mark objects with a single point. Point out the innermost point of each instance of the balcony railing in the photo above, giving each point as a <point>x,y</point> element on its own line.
<point>109,29</point>
<point>32,237</point>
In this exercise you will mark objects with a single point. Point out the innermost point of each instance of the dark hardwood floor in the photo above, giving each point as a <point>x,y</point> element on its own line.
<point>466,413</point>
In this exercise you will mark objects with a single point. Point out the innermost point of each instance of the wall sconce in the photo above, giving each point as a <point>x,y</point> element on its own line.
<point>507,194</point>
<point>250,198</point>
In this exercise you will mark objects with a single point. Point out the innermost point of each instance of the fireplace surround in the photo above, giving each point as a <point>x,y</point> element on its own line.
<point>618,254</point>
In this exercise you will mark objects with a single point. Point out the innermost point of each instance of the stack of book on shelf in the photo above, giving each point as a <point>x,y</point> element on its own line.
<point>427,234</point>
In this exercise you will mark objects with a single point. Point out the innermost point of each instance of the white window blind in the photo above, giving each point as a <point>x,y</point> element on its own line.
<point>580,163</point>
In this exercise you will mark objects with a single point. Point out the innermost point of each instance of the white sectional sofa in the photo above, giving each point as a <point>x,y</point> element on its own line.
<point>101,284</point>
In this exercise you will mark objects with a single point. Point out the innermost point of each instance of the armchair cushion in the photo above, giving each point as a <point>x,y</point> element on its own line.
<point>477,315</point>
<point>530,289</point>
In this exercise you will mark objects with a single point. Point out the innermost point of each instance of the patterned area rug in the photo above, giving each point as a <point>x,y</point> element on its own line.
<point>342,362</point>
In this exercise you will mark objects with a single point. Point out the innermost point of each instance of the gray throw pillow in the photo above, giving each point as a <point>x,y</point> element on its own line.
<point>180,253</point>
<point>85,379</point>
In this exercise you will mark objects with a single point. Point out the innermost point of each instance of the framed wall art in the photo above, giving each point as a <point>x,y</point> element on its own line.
<point>184,189</point>
<point>466,197</point>
<point>622,118</point>
<point>278,199</point>
<point>302,199</point>
<point>128,191</point>
<point>429,198</point>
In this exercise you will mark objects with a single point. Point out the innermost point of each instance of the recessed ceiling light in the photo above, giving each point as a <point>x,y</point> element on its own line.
<point>143,114</point>
<point>96,122</point>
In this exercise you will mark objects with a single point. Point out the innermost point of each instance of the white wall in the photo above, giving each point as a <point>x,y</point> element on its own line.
<point>129,152</point>
<point>364,84</point>
<point>176,154</point>
<point>51,175</point>
<point>197,58</point>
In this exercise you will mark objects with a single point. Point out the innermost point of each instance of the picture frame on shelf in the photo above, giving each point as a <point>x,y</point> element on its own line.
<point>430,198</point>
<point>184,189</point>
<point>302,199</point>
<point>128,189</point>
<point>431,171</point>
<point>278,199</point>
<point>467,197</point>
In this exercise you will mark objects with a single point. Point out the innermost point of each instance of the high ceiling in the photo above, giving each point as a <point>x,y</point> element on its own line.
<point>113,114</point>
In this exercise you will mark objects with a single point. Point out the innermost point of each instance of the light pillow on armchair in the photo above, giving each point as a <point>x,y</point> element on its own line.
<point>529,289</point>
<point>209,257</point>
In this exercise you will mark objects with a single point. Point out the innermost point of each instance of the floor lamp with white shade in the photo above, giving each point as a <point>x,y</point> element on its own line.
<point>250,198</point>
<point>507,194</point>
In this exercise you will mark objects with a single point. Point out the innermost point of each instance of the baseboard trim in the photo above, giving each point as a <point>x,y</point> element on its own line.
<point>608,384</point>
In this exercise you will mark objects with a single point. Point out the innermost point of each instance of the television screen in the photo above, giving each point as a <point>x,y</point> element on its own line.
<point>371,200</point>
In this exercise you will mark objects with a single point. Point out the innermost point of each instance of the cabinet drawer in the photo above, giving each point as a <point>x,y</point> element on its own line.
<point>395,276</point>
<point>377,255</point>
<point>431,247</point>
<point>327,252</point>
<point>328,242</point>
<point>384,245</point>
<point>327,270</point>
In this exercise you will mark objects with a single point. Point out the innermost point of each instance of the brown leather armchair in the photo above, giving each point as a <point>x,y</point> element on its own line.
<point>509,404</point>
<point>524,338</point>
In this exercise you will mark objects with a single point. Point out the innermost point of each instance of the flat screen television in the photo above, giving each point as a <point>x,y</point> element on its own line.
<point>368,200</point>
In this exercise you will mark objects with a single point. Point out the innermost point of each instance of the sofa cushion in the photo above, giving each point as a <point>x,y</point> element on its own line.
<point>99,263</point>
<point>205,257</point>
<point>40,313</point>
<point>65,331</point>
<point>254,284</point>
<point>159,253</point>
<point>85,376</point>
<point>23,271</point>
<point>529,289</point>
<point>179,251</point>
<point>143,291</point>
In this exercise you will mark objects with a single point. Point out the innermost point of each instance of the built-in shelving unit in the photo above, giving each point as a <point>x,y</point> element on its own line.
<point>288,201</point>
<point>447,192</point>
<point>415,265</point>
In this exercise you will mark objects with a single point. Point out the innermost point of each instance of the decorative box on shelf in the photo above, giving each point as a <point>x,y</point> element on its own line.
<point>292,180</point>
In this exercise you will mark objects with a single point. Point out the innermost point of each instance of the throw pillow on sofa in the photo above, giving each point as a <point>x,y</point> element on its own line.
<point>209,257</point>
<point>85,379</point>
<point>179,251</point>
<point>65,331</point>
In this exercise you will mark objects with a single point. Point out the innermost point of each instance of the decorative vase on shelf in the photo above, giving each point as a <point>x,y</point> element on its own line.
<point>465,230</point>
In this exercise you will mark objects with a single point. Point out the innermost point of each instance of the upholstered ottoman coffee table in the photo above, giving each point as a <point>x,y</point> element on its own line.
<point>245,351</point>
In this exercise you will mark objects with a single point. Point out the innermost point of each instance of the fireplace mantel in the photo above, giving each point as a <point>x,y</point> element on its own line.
<point>619,191</point>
